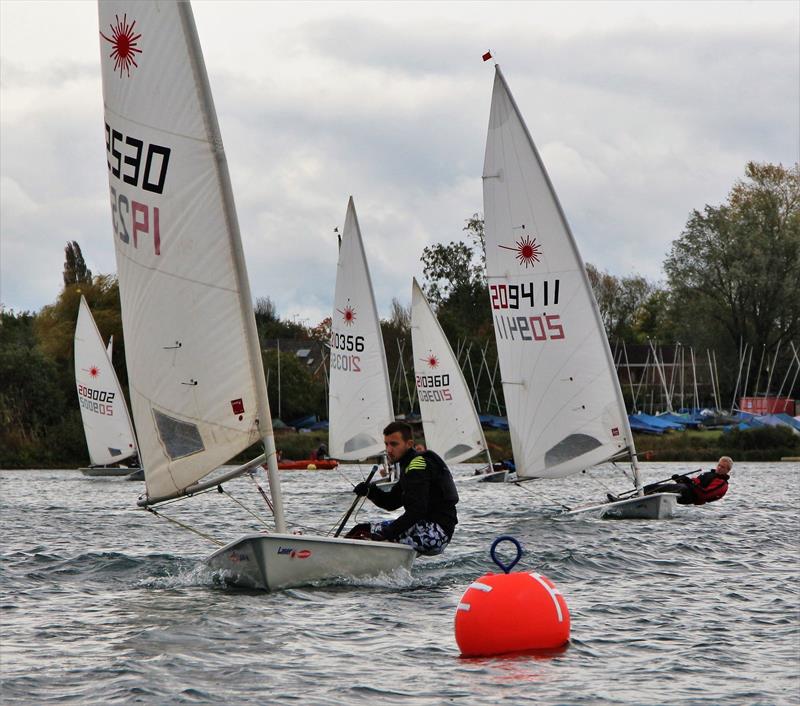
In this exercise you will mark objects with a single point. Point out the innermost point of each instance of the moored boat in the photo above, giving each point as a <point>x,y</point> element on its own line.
<point>308,464</point>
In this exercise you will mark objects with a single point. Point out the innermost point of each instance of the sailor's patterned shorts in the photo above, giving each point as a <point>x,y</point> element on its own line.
<point>425,537</point>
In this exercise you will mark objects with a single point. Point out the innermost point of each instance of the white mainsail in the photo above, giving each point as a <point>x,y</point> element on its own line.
<point>194,364</point>
<point>451,424</point>
<point>360,400</point>
<point>106,423</point>
<point>194,361</point>
<point>563,400</point>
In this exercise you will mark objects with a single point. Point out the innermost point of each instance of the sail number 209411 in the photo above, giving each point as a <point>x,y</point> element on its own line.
<point>542,327</point>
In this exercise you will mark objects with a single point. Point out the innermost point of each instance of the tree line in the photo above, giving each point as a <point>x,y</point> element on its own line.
<point>731,281</point>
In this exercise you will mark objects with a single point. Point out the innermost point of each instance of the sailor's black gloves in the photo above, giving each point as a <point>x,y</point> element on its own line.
<point>362,489</point>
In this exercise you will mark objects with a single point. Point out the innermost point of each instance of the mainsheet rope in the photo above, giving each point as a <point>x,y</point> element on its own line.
<point>541,495</point>
<point>187,527</point>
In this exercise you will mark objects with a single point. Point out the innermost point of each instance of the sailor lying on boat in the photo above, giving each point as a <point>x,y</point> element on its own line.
<point>705,488</point>
<point>425,491</point>
<point>507,465</point>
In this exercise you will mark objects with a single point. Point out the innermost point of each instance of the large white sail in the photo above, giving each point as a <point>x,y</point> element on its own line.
<point>106,423</point>
<point>196,377</point>
<point>563,400</point>
<point>451,424</point>
<point>360,402</point>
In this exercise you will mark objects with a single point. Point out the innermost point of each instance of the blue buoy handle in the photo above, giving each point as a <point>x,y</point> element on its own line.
<point>493,552</point>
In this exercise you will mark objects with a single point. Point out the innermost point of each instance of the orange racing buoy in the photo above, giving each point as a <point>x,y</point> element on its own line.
<point>501,613</point>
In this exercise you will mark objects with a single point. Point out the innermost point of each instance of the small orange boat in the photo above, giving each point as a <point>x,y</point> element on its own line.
<point>308,464</point>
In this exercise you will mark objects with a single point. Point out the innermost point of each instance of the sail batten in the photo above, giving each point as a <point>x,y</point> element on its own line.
<point>360,400</point>
<point>563,400</point>
<point>450,422</point>
<point>197,386</point>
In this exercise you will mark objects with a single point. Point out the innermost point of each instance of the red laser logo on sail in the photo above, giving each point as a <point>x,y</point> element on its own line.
<point>527,251</point>
<point>93,371</point>
<point>348,315</point>
<point>431,360</point>
<point>124,42</point>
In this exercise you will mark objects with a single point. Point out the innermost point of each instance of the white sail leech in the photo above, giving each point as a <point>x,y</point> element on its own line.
<point>450,422</point>
<point>360,399</point>
<point>563,401</point>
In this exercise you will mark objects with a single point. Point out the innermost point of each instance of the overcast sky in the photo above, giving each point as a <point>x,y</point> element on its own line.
<point>642,111</point>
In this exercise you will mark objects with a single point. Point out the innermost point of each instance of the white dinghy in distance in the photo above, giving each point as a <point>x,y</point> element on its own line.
<point>104,413</point>
<point>194,361</point>
<point>563,400</point>
<point>360,398</point>
<point>449,420</point>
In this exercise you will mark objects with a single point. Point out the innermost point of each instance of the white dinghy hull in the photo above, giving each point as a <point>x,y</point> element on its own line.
<point>497,477</point>
<point>659,506</point>
<point>111,472</point>
<point>276,561</point>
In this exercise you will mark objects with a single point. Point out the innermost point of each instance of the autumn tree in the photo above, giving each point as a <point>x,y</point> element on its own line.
<point>733,274</point>
<point>626,305</point>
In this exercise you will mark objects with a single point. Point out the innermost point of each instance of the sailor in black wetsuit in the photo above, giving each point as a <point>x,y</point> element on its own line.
<point>425,491</point>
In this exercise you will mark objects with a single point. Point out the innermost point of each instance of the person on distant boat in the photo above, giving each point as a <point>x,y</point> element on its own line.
<point>321,453</point>
<point>425,491</point>
<point>697,490</point>
<point>496,467</point>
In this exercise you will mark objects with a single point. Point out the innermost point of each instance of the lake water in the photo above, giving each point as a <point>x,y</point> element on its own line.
<point>103,603</point>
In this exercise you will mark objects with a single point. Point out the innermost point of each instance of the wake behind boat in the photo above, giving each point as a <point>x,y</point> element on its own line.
<point>563,400</point>
<point>197,382</point>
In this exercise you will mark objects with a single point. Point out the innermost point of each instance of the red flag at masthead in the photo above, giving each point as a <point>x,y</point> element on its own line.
<point>487,56</point>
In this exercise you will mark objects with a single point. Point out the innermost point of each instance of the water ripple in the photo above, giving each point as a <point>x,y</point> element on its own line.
<point>103,604</point>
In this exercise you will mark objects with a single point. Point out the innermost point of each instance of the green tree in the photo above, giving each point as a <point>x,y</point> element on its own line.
<point>299,392</point>
<point>55,323</point>
<point>75,270</point>
<point>733,274</point>
<point>454,281</point>
<point>626,305</point>
<point>270,326</point>
<point>457,266</point>
<point>35,407</point>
